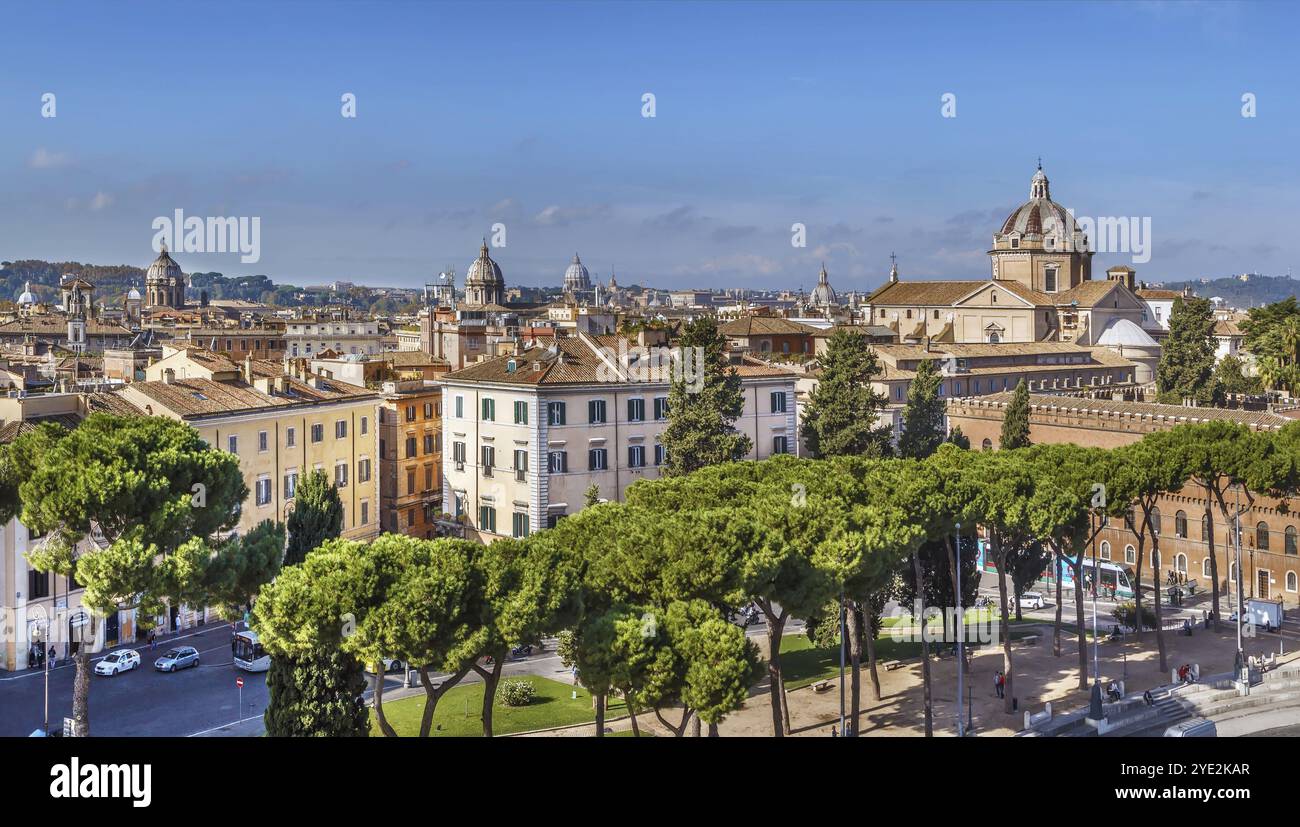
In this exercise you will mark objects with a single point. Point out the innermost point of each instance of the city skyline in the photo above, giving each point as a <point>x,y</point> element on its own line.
<point>550,141</point>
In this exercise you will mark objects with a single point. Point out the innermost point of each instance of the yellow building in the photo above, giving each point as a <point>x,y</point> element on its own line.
<point>410,457</point>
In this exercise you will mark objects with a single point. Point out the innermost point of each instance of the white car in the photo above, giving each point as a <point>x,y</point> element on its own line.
<point>1031,600</point>
<point>118,662</point>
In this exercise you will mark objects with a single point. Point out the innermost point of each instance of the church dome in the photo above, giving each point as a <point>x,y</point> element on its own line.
<point>27,297</point>
<point>577,277</point>
<point>823,295</point>
<point>1039,215</point>
<point>164,267</point>
<point>133,295</point>
<point>1124,333</point>
<point>484,271</point>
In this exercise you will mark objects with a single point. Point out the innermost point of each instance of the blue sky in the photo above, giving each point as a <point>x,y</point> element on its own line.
<point>530,114</point>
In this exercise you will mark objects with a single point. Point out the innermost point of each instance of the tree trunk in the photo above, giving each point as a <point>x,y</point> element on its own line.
<point>853,616</point>
<point>785,708</point>
<point>81,691</point>
<point>1155,578</point>
<point>871,661</point>
<point>1056,626</point>
<point>713,730</point>
<point>432,695</point>
<point>490,680</point>
<point>1078,617</point>
<point>775,625</point>
<point>1008,670</point>
<point>695,726</point>
<point>1214,561</point>
<point>925,645</point>
<point>631,713</point>
<point>600,715</point>
<point>1137,588</point>
<point>384,726</point>
<point>679,730</point>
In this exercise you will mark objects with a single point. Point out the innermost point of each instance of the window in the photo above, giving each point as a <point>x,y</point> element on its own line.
<point>410,447</point>
<point>596,411</point>
<point>557,462</point>
<point>232,444</point>
<point>660,455</point>
<point>428,410</point>
<point>1290,540</point>
<point>410,413</point>
<point>521,413</point>
<point>428,443</point>
<point>636,410</point>
<point>262,442</point>
<point>1205,528</point>
<point>778,401</point>
<point>597,459</point>
<point>488,454</point>
<point>1130,555</point>
<point>1261,536</point>
<point>428,478</point>
<point>340,429</point>
<point>780,445</point>
<point>365,512</point>
<point>519,526</point>
<point>363,470</point>
<point>1205,568</point>
<point>553,519</point>
<point>290,437</point>
<point>341,474</point>
<point>410,481</point>
<point>1104,551</point>
<point>987,444</point>
<point>458,455</point>
<point>636,456</point>
<point>38,584</point>
<point>521,464</point>
<point>1180,563</point>
<point>1155,521</point>
<point>290,484</point>
<point>460,407</point>
<point>1049,280</point>
<point>365,424</point>
<point>661,407</point>
<point>555,413</point>
<point>1180,524</point>
<point>489,410</point>
<point>1015,244</point>
<point>1290,581</point>
<point>263,490</point>
<point>317,432</point>
<point>487,518</point>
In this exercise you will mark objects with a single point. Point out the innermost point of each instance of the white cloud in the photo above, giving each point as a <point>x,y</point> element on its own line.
<point>42,158</point>
<point>101,201</point>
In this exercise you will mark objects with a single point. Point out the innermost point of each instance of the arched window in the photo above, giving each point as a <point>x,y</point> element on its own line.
<point>987,444</point>
<point>1180,524</point>
<point>1105,550</point>
<point>1261,536</point>
<point>994,338</point>
<point>1290,540</point>
<point>1130,554</point>
<point>1205,567</point>
<point>1180,563</point>
<point>1155,521</point>
<point>1205,528</point>
<point>1290,581</point>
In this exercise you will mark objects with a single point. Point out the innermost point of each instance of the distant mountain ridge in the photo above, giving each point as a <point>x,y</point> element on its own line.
<point>1256,290</point>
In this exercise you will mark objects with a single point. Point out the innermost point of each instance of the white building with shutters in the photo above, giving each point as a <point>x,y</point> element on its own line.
<point>525,436</point>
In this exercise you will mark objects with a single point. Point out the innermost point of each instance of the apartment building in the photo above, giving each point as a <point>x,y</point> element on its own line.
<point>305,337</point>
<point>281,427</point>
<point>236,343</point>
<point>526,435</point>
<point>410,457</point>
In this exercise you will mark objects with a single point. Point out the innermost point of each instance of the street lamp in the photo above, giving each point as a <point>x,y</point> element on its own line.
<point>960,629</point>
<point>1094,705</point>
<point>844,643</point>
<point>1243,674</point>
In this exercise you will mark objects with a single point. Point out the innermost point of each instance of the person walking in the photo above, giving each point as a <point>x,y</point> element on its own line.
<point>999,685</point>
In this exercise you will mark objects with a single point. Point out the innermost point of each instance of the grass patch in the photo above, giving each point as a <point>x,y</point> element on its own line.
<point>458,712</point>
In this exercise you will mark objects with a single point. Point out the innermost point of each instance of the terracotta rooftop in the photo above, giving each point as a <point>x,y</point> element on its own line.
<point>765,326</point>
<point>1176,414</point>
<point>206,397</point>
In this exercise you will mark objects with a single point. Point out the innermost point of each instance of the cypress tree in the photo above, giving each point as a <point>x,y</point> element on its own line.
<point>1015,425</point>
<point>842,412</point>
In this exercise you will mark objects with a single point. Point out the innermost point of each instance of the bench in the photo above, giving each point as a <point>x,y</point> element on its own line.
<point>1029,640</point>
<point>892,665</point>
<point>822,686</point>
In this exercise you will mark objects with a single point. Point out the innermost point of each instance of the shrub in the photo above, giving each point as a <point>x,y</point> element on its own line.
<point>1126,613</point>
<point>517,693</point>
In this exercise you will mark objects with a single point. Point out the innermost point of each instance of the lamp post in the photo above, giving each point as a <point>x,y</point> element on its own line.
<point>1094,705</point>
<point>960,629</point>
<point>844,643</point>
<point>1243,675</point>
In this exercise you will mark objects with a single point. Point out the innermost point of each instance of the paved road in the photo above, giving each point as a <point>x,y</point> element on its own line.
<point>142,701</point>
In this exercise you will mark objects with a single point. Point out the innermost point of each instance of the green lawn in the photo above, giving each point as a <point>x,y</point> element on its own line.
<point>458,711</point>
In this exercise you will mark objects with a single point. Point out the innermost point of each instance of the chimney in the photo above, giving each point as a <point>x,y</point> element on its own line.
<point>248,368</point>
<point>169,376</point>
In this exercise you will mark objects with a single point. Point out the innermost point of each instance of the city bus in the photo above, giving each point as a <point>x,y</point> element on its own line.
<point>248,652</point>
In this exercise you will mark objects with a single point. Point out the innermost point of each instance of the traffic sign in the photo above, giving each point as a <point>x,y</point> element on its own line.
<point>239,682</point>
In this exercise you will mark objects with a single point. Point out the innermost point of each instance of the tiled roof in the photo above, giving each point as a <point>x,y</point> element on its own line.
<point>765,326</point>
<point>205,397</point>
<point>1087,293</point>
<point>1258,419</point>
<point>1226,328</point>
<point>1149,293</point>
<point>112,403</point>
<point>918,293</point>
<point>57,325</point>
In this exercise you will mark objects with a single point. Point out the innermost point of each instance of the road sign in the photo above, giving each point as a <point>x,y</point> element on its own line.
<point>239,682</point>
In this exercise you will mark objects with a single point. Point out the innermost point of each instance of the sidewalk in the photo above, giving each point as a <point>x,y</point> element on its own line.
<point>253,727</point>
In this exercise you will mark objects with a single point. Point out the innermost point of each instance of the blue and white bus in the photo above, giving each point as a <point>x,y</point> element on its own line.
<point>248,652</point>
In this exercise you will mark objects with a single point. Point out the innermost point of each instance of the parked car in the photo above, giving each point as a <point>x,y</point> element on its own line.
<point>1031,600</point>
<point>182,657</point>
<point>118,662</point>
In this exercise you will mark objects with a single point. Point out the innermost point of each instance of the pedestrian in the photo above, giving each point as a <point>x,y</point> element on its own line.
<point>832,730</point>
<point>151,638</point>
<point>53,656</point>
<point>998,685</point>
